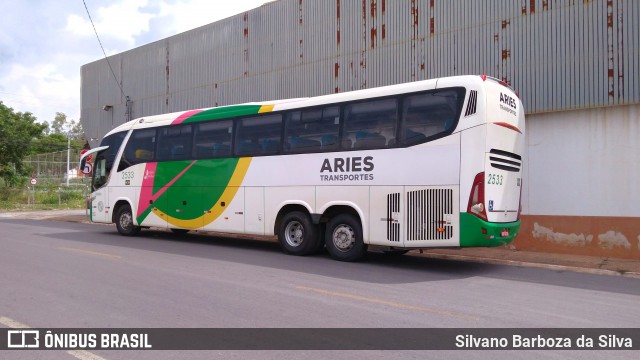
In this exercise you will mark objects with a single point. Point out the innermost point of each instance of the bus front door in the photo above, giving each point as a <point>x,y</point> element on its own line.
<point>100,210</point>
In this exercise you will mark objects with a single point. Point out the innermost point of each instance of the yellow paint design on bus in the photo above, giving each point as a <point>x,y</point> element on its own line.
<point>266,108</point>
<point>212,214</point>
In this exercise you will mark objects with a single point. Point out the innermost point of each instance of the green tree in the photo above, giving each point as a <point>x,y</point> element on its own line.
<point>56,134</point>
<point>49,143</point>
<point>59,123</point>
<point>76,132</point>
<point>17,131</point>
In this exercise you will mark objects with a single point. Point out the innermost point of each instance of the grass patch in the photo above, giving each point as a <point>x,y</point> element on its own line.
<point>45,198</point>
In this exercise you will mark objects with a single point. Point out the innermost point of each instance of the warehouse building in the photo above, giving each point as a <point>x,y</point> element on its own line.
<point>574,63</point>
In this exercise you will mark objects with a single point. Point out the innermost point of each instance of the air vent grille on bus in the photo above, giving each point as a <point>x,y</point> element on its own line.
<point>393,226</point>
<point>505,160</point>
<point>429,214</point>
<point>471,104</point>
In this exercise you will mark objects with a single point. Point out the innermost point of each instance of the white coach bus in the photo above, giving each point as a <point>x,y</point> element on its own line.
<point>434,163</point>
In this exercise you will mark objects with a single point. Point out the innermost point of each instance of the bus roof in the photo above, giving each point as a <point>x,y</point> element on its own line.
<point>286,104</point>
<point>166,119</point>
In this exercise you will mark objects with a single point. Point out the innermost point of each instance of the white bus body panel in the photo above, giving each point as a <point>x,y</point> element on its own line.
<point>100,206</point>
<point>386,216</point>
<point>502,188</point>
<point>472,145</point>
<point>504,150</point>
<point>254,219</point>
<point>232,218</point>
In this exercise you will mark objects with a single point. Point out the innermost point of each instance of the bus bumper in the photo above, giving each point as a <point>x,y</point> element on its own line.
<point>477,232</point>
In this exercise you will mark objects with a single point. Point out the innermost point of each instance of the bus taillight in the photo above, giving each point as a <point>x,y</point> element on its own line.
<point>476,198</point>
<point>520,202</point>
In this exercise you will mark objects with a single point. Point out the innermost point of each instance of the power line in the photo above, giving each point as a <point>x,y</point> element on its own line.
<point>102,47</point>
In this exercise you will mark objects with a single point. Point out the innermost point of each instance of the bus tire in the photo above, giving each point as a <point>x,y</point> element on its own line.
<point>298,235</point>
<point>124,221</point>
<point>343,238</point>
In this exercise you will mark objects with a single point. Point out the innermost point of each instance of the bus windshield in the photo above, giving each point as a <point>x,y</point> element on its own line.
<point>105,159</point>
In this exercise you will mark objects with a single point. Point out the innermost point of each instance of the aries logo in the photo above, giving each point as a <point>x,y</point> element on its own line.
<point>351,165</point>
<point>507,100</point>
<point>355,164</point>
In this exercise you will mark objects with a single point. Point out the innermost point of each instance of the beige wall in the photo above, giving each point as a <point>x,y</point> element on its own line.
<point>582,182</point>
<point>604,236</point>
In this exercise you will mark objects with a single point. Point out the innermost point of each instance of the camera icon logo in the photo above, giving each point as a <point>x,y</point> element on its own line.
<point>23,339</point>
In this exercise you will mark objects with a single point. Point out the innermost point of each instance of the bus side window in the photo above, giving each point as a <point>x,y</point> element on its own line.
<point>258,135</point>
<point>213,139</point>
<point>330,128</point>
<point>371,124</point>
<point>428,116</point>
<point>174,143</point>
<point>312,130</point>
<point>140,148</point>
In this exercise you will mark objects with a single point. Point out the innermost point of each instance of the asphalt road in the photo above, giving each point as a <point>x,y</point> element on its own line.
<point>70,275</point>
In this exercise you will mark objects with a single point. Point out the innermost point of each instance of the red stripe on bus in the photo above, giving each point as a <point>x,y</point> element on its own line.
<point>508,126</point>
<point>185,116</point>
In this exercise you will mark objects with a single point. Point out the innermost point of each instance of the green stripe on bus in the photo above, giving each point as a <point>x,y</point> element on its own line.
<point>194,192</point>
<point>223,113</point>
<point>471,231</point>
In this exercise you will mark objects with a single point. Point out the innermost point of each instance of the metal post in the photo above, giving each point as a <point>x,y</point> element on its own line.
<point>68,154</point>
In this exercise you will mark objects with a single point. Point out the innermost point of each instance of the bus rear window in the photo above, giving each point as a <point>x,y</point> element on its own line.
<point>429,115</point>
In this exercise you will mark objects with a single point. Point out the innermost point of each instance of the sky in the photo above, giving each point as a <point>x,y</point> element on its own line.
<point>43,43</point>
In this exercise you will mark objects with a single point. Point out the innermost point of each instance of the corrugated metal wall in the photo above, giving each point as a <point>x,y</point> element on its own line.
<point>558,54</point>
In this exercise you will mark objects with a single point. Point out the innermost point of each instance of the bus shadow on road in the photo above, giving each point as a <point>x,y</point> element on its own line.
<point>410,268</point>
<point>266,252</point>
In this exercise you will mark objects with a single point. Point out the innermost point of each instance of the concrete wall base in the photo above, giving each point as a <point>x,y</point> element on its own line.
<point>580,235</point>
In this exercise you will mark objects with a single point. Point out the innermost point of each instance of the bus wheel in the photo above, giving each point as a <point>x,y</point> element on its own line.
<point>343,238</point>
<point>298,235</point>
<point>124,221</point>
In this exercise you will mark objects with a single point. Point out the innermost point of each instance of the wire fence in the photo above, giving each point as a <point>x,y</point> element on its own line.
<point>47,188</point>
<point>50,167</point>
<point>44,197</point>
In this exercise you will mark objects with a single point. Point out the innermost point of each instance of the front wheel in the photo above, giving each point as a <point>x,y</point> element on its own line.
<point>298,235</point>
<point>124,221</point>
<point>343,238</point>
